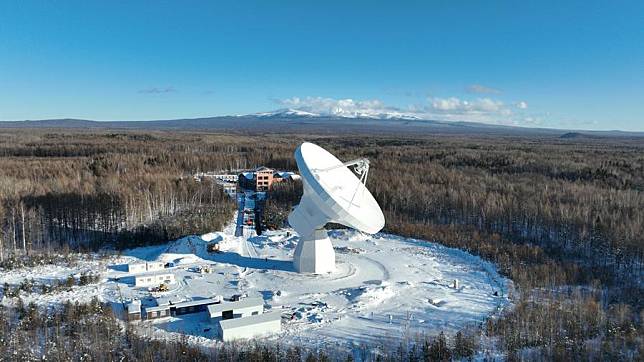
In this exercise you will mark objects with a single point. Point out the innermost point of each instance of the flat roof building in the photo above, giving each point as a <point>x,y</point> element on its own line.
<point>243,308</point>
<point>194,306</point>
<point>250,327</point>
<point>157,312</point>
<point>155,265</point>
<point>244,319</point>
<point>264,178</point>
<point>136,268</point>
<point>148,280</point>
<point>230,189</point>
<point>226,177</point>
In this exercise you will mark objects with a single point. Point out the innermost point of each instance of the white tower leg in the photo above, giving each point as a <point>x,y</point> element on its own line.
<point>314,253</point>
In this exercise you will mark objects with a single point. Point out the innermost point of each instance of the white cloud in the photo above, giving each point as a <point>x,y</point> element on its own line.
<point>522,105</point>
<point>481,89</point>
<point>455,105</point>
<point>446,104</point>
<point>341,107</point>
<point>483,109</point>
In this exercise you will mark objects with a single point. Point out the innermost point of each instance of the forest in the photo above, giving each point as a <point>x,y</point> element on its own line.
<point>562,218</point>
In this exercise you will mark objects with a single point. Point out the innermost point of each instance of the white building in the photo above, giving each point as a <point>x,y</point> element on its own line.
<point>137,268</point>
<point>148,280</point>
<point>249,327</point>
<point>155,265</point>
<point>244,319</point>
<point>243,308</point>
<point>230,188</point>
<point>220,177</point>
<point>226,178</point>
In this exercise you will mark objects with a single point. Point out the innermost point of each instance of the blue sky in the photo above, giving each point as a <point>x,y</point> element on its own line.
<point>551,64</point>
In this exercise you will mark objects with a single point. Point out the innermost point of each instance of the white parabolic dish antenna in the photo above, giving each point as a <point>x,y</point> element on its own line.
<point>332,193</point>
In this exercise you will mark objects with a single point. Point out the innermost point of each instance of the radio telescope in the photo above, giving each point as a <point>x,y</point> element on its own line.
<point>332,193</point>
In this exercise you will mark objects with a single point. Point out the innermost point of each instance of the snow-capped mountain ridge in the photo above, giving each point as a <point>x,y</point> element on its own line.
<point>286,112</point>
<point>337,112</point>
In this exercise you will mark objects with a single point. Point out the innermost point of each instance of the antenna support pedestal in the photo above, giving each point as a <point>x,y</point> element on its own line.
<point>314,253</point>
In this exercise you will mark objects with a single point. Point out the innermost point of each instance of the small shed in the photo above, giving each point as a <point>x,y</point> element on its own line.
<point>134,310</point>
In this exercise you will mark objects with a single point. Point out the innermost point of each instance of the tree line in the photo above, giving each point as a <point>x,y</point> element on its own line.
<point>563,218</point>
<point>92,331</point>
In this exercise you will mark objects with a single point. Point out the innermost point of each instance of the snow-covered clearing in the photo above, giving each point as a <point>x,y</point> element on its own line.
<point>385,288</point>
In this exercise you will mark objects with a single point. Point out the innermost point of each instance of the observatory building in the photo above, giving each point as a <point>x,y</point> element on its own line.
<point>244,319</point>
<point>135,268</point>
<point>148,280</point>
<point>333,192</point>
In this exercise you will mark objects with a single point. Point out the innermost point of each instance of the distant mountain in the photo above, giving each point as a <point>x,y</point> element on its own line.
<point>288,112</point>
<point>297,121</point>
<point>574,135</point>
<point>338,113</point>
<point>52,123</point>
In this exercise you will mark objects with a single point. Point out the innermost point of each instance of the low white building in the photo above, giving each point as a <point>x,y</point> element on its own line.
<point>148,280</point>
<point>244,319</point>
<point>155,266</point>
<point>250,327</point>
<point>227,177</point>
<point>243,308</point>
<point>134,268</point>
<point>222,177</point>
<point>230,189</point>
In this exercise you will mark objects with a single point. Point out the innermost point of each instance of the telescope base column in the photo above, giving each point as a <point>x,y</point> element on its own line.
<point>314,253</point>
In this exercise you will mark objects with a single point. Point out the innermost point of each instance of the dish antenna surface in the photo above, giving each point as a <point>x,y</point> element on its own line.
<point>332,193</point>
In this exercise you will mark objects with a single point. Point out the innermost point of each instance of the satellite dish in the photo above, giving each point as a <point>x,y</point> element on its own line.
<point>332,193</point>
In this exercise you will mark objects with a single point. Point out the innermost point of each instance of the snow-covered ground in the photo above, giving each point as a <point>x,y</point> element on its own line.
<point>385,288</point>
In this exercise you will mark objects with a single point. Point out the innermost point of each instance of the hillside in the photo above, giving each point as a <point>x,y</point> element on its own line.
<point>302,122</point>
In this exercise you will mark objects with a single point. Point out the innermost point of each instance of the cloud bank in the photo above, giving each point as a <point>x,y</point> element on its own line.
<point>372,108</point>
<point>480,109</point>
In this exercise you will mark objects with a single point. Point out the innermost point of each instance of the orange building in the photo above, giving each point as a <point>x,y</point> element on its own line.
<point>264,178</point>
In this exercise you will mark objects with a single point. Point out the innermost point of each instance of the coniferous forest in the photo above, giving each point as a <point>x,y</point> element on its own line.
<point>562,218</point>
